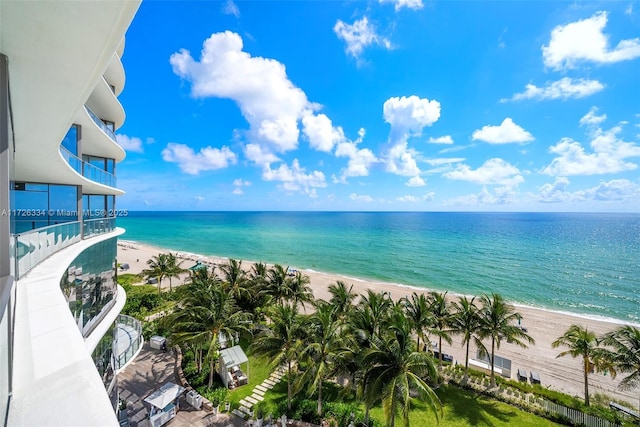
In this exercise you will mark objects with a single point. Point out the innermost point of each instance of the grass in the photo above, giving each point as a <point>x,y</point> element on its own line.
<point>460,407</point>
<point>259,370</point>
<point>464,408</point>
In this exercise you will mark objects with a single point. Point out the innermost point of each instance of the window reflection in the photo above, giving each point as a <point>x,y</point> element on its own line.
<point>89,284</point>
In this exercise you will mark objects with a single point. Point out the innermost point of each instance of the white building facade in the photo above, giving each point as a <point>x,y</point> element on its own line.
<point>60,77</point>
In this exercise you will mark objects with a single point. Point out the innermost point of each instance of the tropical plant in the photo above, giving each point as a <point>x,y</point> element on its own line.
<point>341,298</point>
<point>323,346</point>
<point>625,357</point>
<point>466,322</point>
<point>582,343</point>
<point>417,309</point>
<point>496,322</point>
<point>158,268</point>
<point>282,340</point>
<point>299,291</point>
<point>440,319</point>
<point>174,268</point>
<point>208,311</point>
<point>235,279</point>
<point>396,371</point>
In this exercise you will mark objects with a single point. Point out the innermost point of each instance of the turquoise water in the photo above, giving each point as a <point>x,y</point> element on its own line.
<point>587,264</point>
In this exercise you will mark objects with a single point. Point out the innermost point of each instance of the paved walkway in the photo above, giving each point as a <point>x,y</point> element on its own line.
<point>147,373</point>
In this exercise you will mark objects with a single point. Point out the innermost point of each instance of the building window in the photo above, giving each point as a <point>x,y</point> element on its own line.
<point>89,284</point>
<point>70,141</point>
<point>40,205</point>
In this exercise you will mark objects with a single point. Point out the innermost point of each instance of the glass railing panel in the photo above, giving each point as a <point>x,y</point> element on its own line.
<point>34,246</point>
<point>98,226</point>
<point>133,329</point>
<point>101,124</point>
<point>88,170</point>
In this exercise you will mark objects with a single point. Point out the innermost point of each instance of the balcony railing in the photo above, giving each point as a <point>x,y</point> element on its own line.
<point>88,170</point>
<point>128,340</point>
<point>102,125</point>
<point>34,246</point>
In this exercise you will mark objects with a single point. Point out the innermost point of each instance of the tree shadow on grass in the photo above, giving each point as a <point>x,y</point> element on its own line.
<point>474,408</point>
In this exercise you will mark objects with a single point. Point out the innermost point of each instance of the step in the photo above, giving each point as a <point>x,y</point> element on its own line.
<point>246,410</point>
<point>250,400</point>
<point>260,388</point>
<point>269,382</point>
<point>257,397</point>
<point>245,403</point>
<point>238,413</point>
<point>275,378</point>
<point>258,391</point>
<point>267,386</point>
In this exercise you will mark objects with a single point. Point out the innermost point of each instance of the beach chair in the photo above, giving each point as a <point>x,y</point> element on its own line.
<point>535,378</point>
<point>522,375</point>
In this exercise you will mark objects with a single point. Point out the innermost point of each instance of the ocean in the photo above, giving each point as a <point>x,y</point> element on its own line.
<point>586,264</point>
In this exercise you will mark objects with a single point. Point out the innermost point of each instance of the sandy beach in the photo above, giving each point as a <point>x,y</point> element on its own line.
<point>563,374</point>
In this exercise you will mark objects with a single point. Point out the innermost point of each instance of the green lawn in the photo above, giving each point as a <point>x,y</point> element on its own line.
<point>461,408</point>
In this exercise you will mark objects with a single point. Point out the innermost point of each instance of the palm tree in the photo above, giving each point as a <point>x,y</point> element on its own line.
<point>396,371</point>
<point>299,291</point>
<point>374,308</point>
<point>625,356</point>
<point>341,297</point>
<point>158,268</point>
<point>582,343</point>
<point>208,311</point>
<point>282,340</point>
<point>417,309</point>
<point>174,268</point>
<point>235,279</point>
<point>322,349</point>
<point>276,281</point>
<point>440,318</point>
<point>466,322</point>
<point>496,321</point>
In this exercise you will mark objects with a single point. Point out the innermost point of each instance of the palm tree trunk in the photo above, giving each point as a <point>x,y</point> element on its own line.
<point>440,353</point>
<point>586,381</point>
<point>466,366</point>
<point>493,374</point>
<point>289,391</point>
<point>170,288</point>
<point>320,398</point>
<point>211,368</point>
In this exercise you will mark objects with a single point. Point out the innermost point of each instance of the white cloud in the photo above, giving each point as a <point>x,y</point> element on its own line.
<point>446,139</point>
<point>268,100</point>
<point>499,196</point>
<point>564,88</point>
<point>230,8</point>
<point>241,183</point>
<point>359,35</point>
<point>259,155</point>
<point>360,160</point>
<point>616,190</point>
<point>409,4</point>
<point>409,115</point>
<point>321,133</point>
<point>361,198</point>
<point>238,191</point>
<point>556,192</point>
<point>130,143</point>
<point>445,161</point>
<point>493,171</point>
<point>590,119</point>
<point>584,40</point>
<point>295,178</point>
<point>416,181</point>
<point>208,158</point>
<point>401,160</point>
<point>608,156</point>
<point>507,132</point>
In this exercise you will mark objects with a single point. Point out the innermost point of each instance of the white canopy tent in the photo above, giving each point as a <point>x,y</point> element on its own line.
<point>231,358</point>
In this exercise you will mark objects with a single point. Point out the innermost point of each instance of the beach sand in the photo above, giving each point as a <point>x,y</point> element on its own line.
<point>563,374</point>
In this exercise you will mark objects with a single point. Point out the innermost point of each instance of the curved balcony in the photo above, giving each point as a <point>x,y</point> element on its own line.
<point>88,170</point>
<point>128,341</point>
<point>114,74</point>
<point>34,246</point>
<point>111,134</point>
<point>105,104</point>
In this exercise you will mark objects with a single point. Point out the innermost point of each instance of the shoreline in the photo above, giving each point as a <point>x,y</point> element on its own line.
<point>563,374</point>
<point>185,255</point>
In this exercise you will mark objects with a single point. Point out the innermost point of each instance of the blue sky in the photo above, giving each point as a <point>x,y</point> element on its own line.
<point>382,105</point>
